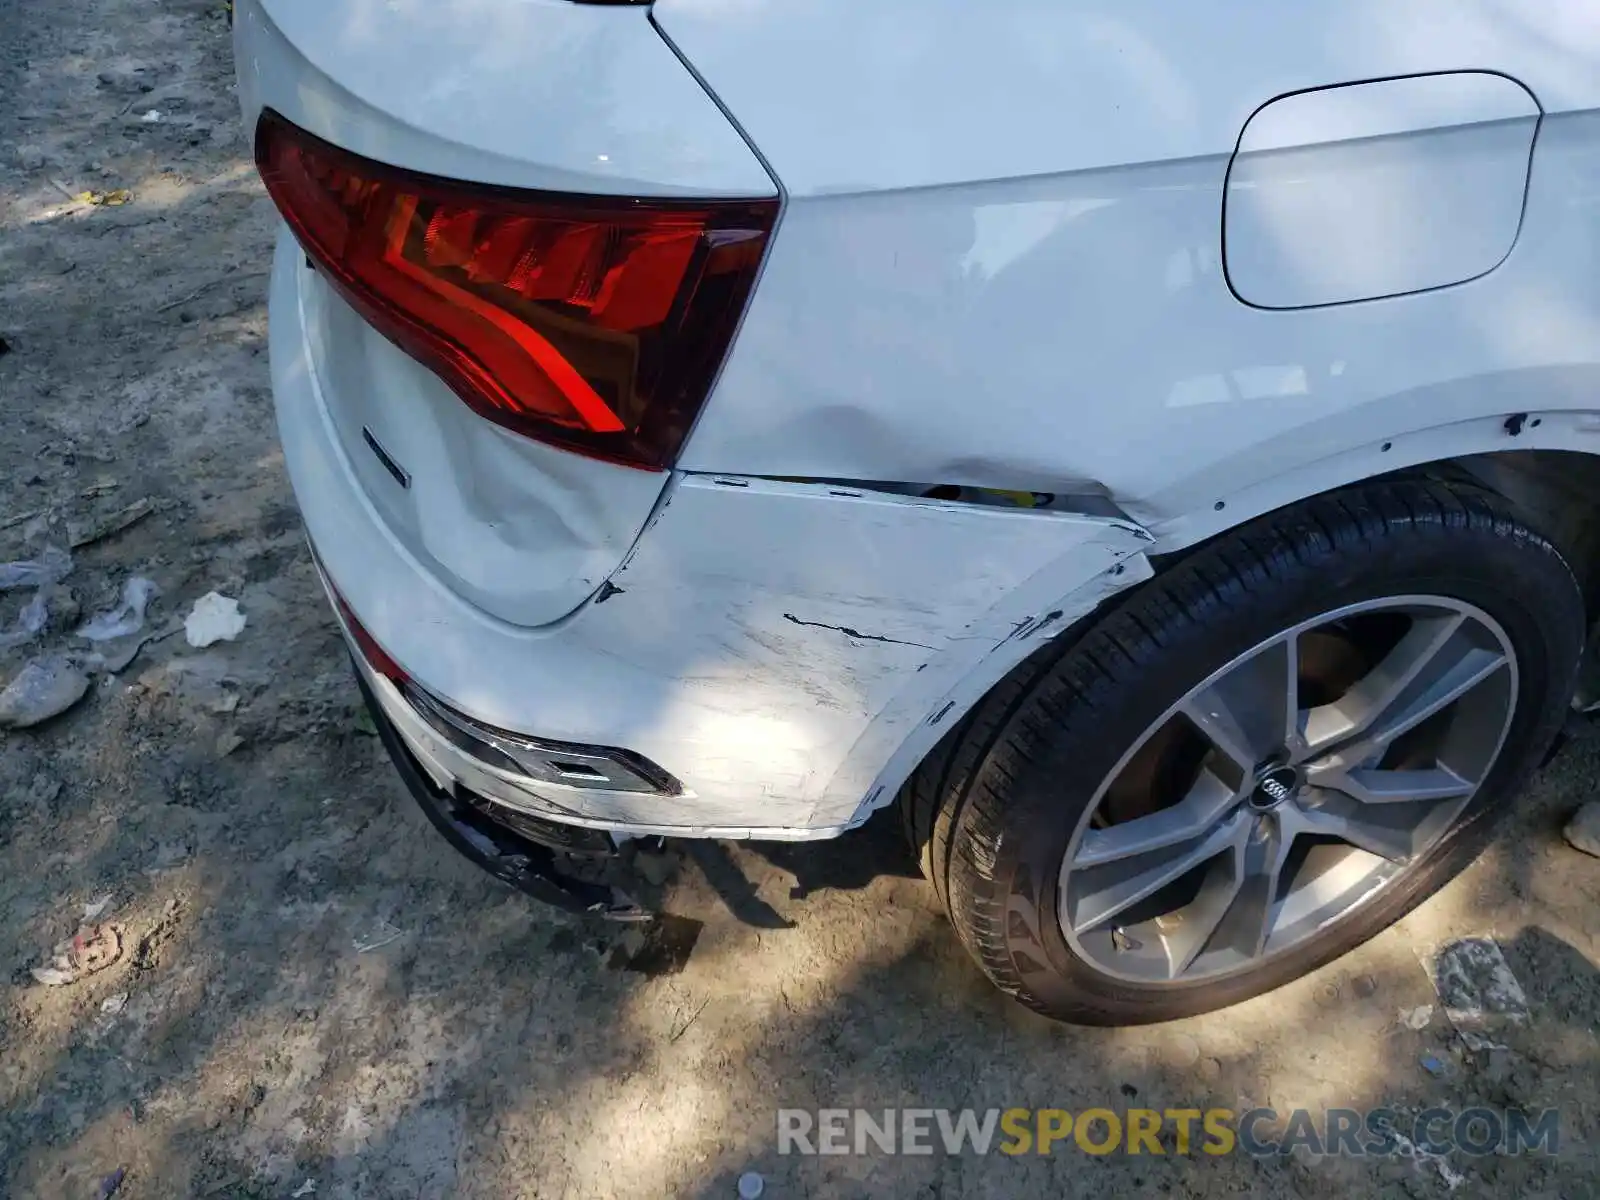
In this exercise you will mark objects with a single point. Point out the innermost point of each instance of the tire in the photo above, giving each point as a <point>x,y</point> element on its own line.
<point>994,810</point>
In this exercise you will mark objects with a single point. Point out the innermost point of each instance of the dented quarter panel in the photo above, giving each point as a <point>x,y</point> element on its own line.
<point>1018,281</point>
<point>762,642</point>
<point>833,620</point>
<point>1042,608</point>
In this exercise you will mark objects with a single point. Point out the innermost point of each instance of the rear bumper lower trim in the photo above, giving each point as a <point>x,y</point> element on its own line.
<point>524,864</point>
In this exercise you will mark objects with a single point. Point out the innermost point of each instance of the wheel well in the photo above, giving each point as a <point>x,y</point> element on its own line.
<point>1556,492</point>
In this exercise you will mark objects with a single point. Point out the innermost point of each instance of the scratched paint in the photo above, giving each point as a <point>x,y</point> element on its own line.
<point>835,624</point>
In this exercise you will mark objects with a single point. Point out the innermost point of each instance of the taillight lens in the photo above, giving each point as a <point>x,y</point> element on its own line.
<point>597,324</point>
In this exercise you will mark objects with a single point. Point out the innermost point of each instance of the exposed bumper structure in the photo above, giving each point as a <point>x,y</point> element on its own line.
<point>525,864</point>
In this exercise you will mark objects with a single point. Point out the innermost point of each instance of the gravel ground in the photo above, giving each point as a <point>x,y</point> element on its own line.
<point>314,996</point>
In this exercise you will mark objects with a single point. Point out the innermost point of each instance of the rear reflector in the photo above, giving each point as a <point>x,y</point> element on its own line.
<point>377,657</point>
<point>593,323</point>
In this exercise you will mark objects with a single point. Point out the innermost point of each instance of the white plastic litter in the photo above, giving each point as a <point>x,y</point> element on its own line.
<point>215,618</point>
<point>381,934</point>
<point>96,908</point>
<point>151,117</point>
<point>38,573</point>
<point>48,568</point>
<point>93,948</point>
<point>45,688</point>
<point>127,618</point>
<point>114,1004</point>
<point>30,622</point>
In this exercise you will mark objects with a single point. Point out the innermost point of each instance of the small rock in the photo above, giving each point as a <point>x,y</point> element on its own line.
<point>1416,1018</point>
<point>170,854</point>
<point>85,533</point>
<point>45,688</point>
<point>1255,1094</point>
<point>112,1005</point>
<point>1184,1051</point>
<point>1364,986</point>
<point>1210,1069</point>
<point>227,742</point>
<point>30,157</point>
<point>1583,831</point>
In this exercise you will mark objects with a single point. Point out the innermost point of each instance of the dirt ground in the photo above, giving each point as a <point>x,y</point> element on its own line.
<point>315,996</point>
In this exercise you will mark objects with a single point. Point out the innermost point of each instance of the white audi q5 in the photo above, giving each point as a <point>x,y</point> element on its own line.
<point>1148,442</point>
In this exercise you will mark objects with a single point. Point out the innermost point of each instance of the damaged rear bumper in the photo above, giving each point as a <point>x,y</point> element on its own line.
<point>508,849</point>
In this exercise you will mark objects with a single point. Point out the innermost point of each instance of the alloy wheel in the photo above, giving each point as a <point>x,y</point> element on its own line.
<point>1287,788</point>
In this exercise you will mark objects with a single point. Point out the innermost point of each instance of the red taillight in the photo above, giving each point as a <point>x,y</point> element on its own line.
<point>377,657</point>
<point>593,323</point>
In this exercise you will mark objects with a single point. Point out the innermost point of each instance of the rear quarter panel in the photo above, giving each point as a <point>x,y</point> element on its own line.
<point>1001,263</point>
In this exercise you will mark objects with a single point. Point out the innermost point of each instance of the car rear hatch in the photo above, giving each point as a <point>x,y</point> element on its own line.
<point>578,104</point>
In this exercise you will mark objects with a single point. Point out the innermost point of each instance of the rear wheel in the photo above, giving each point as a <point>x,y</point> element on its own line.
<point>1260,760</point>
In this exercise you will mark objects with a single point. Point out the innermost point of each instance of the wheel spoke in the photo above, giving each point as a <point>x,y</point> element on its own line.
<point>1104,892</point>
<point>1265,859</point>
<point>1197,812</point>
<point>1251,712</point>
<point>1201,918</point>
<point>1373,786</point>
<point>1433,665</point>
<point>1247,924</point>
<point>1389,831</point>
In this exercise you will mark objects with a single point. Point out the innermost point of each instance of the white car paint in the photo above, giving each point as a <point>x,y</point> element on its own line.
<point>1333,194</point>
<point>530,93</point>
<point>771,644</point>
<point>1013,213</point>
<point>524,531</point>
<point>1000,263</point>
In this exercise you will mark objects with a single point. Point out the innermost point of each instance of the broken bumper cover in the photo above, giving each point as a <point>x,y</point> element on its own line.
<point>508,853</point>
<point>522,783</point>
